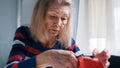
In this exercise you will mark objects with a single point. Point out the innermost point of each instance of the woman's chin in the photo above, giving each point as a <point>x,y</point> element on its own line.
<point>53,34</point>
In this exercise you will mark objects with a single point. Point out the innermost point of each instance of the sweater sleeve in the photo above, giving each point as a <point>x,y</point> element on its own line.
<point>17,55</point>
<point>75,48</point>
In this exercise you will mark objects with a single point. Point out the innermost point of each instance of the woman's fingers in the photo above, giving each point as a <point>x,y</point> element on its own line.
<point>68,59</point>
<point>59,58</point>
<point>95,52</point>
<point>103,56</point>
<point>72,59</point>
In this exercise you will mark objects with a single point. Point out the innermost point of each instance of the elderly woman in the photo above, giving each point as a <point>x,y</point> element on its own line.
<point>47,42</point>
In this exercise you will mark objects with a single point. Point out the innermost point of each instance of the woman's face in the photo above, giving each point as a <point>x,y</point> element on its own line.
<point>56,18</point>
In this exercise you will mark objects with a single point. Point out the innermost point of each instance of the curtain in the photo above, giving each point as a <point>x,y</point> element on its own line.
<point>99,26</point>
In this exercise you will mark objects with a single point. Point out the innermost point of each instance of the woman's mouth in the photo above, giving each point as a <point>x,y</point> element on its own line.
<point>55,31</point>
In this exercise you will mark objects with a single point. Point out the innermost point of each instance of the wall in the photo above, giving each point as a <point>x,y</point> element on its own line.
<point>26,11</point>
<point>8,21</point>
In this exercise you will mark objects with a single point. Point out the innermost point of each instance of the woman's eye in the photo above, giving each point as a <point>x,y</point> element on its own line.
<point>52,17</point>
<point>63,19</point>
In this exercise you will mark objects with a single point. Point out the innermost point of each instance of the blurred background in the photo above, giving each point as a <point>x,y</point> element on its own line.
<point>95,24</point>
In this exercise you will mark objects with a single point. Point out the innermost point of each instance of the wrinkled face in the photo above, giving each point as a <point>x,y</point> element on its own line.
<point>56,18</point>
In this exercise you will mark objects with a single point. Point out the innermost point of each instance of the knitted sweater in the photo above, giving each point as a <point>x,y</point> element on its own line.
<point>25,49</point>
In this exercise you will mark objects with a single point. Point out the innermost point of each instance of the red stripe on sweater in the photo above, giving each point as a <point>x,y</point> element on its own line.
<point>19,35</point>
<point>15,57</point>
<point>32,50</point>
<point>15,65</point>
<point>72,47</point>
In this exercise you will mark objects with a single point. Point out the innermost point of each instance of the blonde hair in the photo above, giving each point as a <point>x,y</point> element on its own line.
<point>37,26</point>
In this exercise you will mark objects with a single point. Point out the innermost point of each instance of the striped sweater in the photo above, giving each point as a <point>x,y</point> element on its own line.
<point>25,49</point>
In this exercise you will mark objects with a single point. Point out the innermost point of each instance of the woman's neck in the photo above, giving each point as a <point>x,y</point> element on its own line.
<point>50,42</point>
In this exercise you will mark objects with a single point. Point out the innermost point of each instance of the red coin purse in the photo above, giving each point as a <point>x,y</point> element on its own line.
<point>88,62</point>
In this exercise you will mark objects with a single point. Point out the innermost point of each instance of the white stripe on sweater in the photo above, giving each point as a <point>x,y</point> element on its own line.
<point>18,42</point>
<point>11,63</point>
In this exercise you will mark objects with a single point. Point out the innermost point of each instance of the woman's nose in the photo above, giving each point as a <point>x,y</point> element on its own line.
<point>59,22</point>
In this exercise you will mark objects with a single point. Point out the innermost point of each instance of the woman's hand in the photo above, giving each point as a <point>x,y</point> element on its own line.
<point>57,59</point>
<point>102,56</point>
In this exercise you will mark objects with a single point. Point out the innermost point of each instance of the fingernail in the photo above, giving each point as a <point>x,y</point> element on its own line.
<point>105,50</point>
<point>49,67</point>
